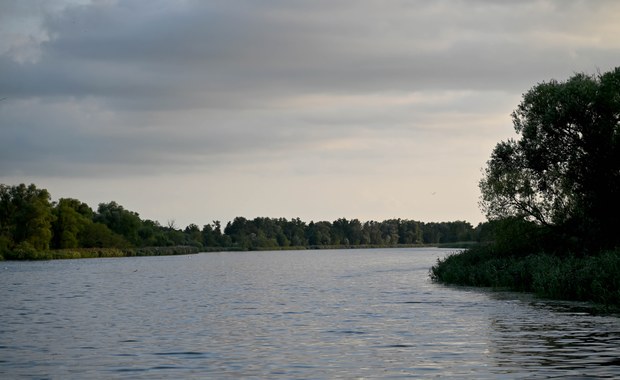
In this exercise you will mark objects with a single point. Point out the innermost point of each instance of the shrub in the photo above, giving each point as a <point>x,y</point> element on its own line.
<point>594,278</point>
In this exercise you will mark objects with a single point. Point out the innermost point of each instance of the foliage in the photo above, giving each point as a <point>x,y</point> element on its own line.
<point>594,278</point>
<point>25,217</point>
<point>98,235</point>
<point>24,252</point>
<point>30,225</point>
<point>552,198</point>
<point>564,170</point>
<point>271,233</point>
<point>72,218</point>
<point>118,220</point>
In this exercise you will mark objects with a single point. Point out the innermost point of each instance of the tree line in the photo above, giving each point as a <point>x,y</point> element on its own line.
<point>29,220</point>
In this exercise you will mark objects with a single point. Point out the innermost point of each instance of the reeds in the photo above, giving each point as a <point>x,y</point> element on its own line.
<point>594,278</point>
<point>25,252</point>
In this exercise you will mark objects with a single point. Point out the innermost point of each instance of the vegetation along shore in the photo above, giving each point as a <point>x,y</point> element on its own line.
<point>33,227</point>
<point>553,197</point>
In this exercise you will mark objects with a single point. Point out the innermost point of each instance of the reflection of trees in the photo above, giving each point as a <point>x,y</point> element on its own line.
<point>554,339</point>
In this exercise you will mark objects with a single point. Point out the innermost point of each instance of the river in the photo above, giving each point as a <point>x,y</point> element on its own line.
<point>321,314</point>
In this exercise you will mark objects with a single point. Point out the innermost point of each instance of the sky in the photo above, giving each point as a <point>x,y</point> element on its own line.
<point>194,111</point>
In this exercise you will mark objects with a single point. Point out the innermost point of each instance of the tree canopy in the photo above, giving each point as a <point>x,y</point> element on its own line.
<point>563,171</point>
<point>30,221</point>
<point>25,217</point>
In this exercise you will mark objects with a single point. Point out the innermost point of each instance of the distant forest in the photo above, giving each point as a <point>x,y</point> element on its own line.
<point>29,220</point>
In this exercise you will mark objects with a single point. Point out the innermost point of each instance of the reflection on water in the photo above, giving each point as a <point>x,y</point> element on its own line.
<point>542,339</point>
<point>318,314</point>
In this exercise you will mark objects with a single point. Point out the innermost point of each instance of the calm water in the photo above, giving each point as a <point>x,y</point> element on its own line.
<point>312,314</point>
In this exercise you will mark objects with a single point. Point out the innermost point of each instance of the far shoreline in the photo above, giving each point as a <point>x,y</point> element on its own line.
<point>88,253</point>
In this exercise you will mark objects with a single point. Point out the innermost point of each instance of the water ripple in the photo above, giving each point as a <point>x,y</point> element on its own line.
<point>324,314</point>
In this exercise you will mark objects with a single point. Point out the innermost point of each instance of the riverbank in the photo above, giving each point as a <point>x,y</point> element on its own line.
<point>26,253</point>
<point>593,278</point>
<point>89,253</point>
<point>464,244</point>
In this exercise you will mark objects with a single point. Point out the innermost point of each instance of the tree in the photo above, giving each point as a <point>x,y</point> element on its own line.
<point>121,221</point>
<point>193,235</point>
<point>152,234</point>
<point>409,232</point>
<point>25,217</point>
<point>389,231</point>
<point>71,217</point>
<point>242,232</point>
<point>319,233</point>
<point>98,235</point>
<point>212,235</point>
<point>295,231</point>
<point>372,233</point>
<point>564,169</point>
<point>354,232</point>
<point>339,231</point>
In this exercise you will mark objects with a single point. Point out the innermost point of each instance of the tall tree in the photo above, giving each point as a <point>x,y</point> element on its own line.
<point>212,234</point>
<point>25,216</point>
<point>564,169</point>
<point>193,235</point>
<point>71,218</point>
<point>123,222</point>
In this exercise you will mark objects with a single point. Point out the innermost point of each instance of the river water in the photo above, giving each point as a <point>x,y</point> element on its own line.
<point>299,314</point>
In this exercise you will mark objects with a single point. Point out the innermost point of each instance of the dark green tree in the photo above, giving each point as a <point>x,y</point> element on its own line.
<point>242,232</point>
<point>71,218</point>
<point>98,235</point>
<point>193,235</point>
<point>563,171</point>
<point>152,234</point>
<point>354,232</point>
<point>267,233</point>
<point>295,232</point>
<point>319,233</point>
<point>433,233</point>
<point>340,231</point>
<point>123,222</point>
<point>409,232</point>
<point>25,217</point>
<point>389,231</point>
<point>212,234</point>
<point>371,233</point>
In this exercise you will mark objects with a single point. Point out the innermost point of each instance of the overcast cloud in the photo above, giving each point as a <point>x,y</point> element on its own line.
<point>203,110</point>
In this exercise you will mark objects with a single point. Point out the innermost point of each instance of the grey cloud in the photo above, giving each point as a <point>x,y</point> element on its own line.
<point>72,139</point>
<point>181,85</point>
<point>239,50</point>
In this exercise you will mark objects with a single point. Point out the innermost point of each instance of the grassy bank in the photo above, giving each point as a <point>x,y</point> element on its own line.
<point>27,253</point>
<point>593,278</point>
<point>343,246</point>
<point>87,253</point>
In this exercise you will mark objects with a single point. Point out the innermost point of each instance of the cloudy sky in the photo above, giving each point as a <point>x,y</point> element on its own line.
<point>205,110</point>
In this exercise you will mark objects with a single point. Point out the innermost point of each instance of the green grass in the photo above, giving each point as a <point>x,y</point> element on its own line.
<point>26,253</point>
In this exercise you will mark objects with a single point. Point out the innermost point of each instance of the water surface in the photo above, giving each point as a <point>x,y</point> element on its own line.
<point>297,314</point>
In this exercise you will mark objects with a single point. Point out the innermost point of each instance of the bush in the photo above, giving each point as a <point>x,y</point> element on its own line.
<point>23,251</point>
<point>593,278</point>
